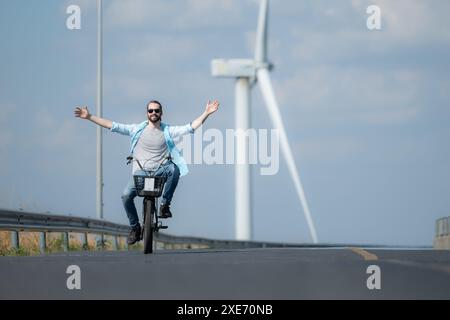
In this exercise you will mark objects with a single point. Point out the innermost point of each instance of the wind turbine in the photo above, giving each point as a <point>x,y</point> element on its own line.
<point>247,72</point>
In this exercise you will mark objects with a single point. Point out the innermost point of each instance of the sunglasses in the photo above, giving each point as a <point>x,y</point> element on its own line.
<point>155,110</point>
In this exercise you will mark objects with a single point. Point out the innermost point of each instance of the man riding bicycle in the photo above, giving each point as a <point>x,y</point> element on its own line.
<point>152,148</point>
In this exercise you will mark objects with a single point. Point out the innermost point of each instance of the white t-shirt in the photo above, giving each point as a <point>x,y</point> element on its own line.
<point>151,149</point>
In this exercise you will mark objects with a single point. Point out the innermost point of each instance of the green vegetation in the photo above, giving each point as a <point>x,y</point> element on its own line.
<point>29,244</point>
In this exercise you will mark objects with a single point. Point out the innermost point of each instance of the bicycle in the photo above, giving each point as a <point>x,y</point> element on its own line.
<point>150,187</point>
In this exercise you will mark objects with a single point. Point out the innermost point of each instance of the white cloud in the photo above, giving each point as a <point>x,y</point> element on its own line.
<point>323,47</point>
<point>158,66</point>
<point>352,93</point>
<point>132,13</point>
<point>190,14</point>
<point>158,53</point>
<point>176,88</point>
<point>343,34</point>
<point>412,21</point>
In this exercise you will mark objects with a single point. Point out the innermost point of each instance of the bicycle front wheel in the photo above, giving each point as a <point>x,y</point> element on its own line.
<point>149,208</point>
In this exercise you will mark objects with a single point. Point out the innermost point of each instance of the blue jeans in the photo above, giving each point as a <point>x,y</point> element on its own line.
<point>168,170</point>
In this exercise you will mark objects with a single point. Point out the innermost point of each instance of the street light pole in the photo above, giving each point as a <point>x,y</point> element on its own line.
<point>99,114</point>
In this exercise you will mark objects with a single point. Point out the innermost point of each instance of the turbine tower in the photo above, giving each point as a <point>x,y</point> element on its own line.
<point>247,72</point>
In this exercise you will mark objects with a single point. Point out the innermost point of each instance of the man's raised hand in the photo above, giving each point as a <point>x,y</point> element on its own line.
<point>82,112</point>
<point>212,107</point>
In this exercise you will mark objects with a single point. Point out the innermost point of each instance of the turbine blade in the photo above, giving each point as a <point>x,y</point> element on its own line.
<point>261,33</point>
<point>277,121</point>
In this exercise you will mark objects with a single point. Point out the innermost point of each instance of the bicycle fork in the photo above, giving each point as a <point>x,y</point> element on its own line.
<point>153,202</point>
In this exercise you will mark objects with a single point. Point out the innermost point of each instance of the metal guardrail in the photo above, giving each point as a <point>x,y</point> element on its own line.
<point>21,221</point>
<point>17,221</point>
<point>443,227</point>
<point>232,244</point>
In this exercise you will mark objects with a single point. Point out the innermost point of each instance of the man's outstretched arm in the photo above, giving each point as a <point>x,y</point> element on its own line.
<point>211,107</point>
<point>83,113</point>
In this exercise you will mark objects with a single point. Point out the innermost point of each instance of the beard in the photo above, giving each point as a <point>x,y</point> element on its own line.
<point>154,118</point>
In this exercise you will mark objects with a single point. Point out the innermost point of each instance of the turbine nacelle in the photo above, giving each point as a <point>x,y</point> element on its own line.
<point>237,68</point>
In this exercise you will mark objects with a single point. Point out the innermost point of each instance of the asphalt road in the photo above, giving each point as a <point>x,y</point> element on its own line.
<point>287,273</point>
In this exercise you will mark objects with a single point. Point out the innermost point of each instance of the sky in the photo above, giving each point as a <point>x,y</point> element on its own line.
<point>366,111</point>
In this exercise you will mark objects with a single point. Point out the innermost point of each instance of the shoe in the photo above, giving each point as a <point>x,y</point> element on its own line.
<point>135,235</point>
<point>164,211</point>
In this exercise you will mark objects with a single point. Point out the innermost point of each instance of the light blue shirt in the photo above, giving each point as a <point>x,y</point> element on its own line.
<point>171,133</point>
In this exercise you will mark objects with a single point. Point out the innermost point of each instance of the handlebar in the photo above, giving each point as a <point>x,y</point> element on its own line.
<point>130,159</point>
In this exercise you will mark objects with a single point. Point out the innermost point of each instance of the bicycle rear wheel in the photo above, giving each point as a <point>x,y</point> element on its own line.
<point>149,209</point>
